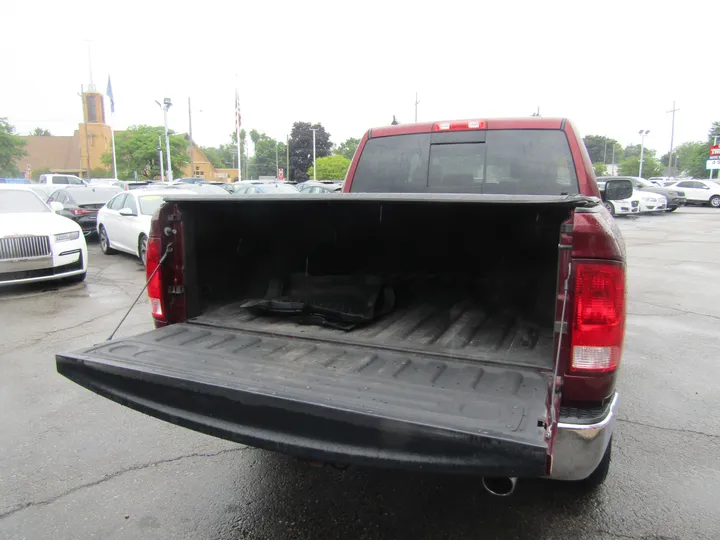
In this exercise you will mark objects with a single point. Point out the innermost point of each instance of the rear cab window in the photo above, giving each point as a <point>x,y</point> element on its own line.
<point>511,162</point>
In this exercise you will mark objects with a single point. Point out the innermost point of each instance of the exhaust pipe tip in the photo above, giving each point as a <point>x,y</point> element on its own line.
<point>500,486</point>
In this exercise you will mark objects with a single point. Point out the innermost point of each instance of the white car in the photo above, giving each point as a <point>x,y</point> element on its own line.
<point>123,224</point>
<point>35,243</point>
<point>651,202</point>
<point>700,191</point>
<point>61,180</point>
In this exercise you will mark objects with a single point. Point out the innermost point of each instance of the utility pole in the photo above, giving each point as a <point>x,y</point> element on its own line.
<point>159,149</point>
<point>287,157</point>
<point>277,163</point>
<point>192,144</point>
<point>416,104</point>
<point>642,133</point>
<point>605,153</point>
<point>672,139</point>
<point>613,160</point>
<point>314,161</point>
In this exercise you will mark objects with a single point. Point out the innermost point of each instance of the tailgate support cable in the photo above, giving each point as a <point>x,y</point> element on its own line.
<point>168,249</point>
<point>563,330</point>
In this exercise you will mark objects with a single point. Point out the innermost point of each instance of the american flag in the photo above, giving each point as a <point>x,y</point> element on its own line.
<point>238,117</point>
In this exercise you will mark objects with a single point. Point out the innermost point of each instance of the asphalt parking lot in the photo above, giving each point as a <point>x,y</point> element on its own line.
<point>75,465</point>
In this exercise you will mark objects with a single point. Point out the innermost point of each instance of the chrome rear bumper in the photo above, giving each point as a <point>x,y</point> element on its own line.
<point>579,448</point>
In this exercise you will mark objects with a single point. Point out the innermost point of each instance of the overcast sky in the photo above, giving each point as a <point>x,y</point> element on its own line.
<point>614,67</point>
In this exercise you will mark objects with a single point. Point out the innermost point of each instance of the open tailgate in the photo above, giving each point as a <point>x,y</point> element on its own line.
<point>327,400</point>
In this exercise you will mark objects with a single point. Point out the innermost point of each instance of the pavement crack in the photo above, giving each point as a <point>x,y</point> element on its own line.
<point>663,428</point>
<point>681,311</point>
<point>50,500</point>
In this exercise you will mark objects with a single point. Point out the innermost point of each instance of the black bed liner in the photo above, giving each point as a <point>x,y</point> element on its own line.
<point>456,328</point>
<point>323,400</point>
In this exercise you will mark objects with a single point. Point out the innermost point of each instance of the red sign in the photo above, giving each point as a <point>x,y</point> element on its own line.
<point>281,175</point>
<point>715,151</point>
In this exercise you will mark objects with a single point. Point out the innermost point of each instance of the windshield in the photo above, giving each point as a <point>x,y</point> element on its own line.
<point>150,203</point>
<point>516,162</point>
<point>20,201</point>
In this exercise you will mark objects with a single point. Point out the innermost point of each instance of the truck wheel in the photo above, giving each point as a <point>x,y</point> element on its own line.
<point>715,201</point>
<point>598,476</point>
<point>105,242</point>
<point>610,207</point>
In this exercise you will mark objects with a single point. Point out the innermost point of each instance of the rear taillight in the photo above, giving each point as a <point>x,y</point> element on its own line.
<point>598,320</point>
<point>154,253</point>
<point>460,125</point>
<point>81,211</point>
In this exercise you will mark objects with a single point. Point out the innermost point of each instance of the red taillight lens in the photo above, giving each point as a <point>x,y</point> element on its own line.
<point>81,211</point>
<point>598,322</point>
<point>460,125</point>
<point>154,253</point>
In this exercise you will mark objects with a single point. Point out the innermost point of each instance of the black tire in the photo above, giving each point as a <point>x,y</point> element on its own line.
<point>598,476</point>
<point>142,249</point>
<point>105,242</point>
<point>610,207</point>
<point>715,201</point>
<point>672,209</point>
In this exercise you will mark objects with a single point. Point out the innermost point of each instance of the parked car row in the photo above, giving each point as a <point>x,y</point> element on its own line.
<point>650,196</point>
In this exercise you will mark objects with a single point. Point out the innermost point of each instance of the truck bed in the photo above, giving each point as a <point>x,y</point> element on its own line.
<point>448,327</point>
<point>336,401</point>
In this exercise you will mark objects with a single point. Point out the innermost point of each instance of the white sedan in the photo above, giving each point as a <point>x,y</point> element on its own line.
<point>123,224</point>
<point>35,243</point>
<point>651,202</point>
<point>700,191</point>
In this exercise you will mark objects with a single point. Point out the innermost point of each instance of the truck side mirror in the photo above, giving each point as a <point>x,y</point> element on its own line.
<point>616,190</point>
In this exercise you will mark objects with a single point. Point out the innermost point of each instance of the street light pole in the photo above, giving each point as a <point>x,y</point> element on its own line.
<point>165,105</point>
<point>672,139</point>
<point>277,163</point>
<point>314,160</point>
<point>642,133</point>
<point>159,148</point>
<point>192,144</point>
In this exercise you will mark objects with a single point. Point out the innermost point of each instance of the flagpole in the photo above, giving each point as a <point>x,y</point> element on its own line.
<point>112,137</point>
<point>109,94</point>
<point>237,133</point>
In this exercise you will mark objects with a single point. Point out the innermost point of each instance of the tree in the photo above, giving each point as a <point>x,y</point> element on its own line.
<point>40,132</point>
<point>691,158</point>
<point>633,150</point>
<point>136,152</point>
<point>630,166</point>
<point>331,168</point>
<point>99,172</point>
<point>263,162</point>
<point>301,148</point>
<point>600,169</point>
<point>714,132</point>
<point>599,152</point>
<point>225,155</point>
<point>347,148</point>
<point>36,173</point>
<point>11,149</point>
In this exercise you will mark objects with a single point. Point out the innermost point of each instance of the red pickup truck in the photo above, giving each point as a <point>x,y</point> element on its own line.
<point>459,308</point>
